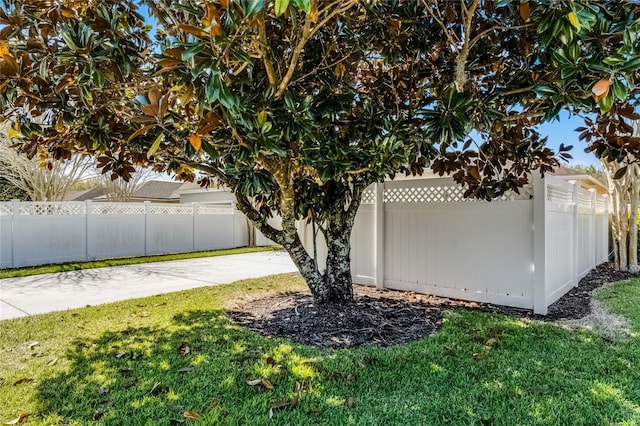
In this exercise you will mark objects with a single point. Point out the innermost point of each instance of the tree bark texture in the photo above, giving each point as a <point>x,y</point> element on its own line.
<point>333,283</point>
<point>623,193</point>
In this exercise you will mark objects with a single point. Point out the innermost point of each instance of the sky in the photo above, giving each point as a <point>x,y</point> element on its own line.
<point>563,131</point>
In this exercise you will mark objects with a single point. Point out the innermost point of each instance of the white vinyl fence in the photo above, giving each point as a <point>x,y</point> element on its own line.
<point>34,233</point>
<point>524,250</point>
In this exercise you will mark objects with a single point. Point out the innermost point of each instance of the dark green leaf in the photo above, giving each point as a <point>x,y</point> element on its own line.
<point>192,51</point>
<point>620,172</point>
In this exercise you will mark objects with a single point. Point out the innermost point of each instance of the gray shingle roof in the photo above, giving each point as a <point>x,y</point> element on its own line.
<point>157,190</point>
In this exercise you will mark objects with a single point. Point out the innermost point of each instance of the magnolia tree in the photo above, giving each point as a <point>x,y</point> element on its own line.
<point>299,105</point>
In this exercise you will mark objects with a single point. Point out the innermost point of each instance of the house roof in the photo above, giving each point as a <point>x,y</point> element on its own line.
<point>586,181</point>
<point>194,187</point>
<point>87,194</point>
<point>157,190</point>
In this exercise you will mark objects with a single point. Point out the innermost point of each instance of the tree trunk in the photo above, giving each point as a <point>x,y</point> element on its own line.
<point>334,284</point>
<point>623,193</point>
<point>633,219</point>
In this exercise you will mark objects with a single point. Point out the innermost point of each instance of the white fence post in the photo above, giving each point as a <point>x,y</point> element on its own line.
<point>539,245</point>
<point>146,227</point>
<point>87,219</point>
<point>233,228</point>
<point>574,247</point>
<point>594,217</point>
<point>379,221</point>
<point>193,227</point>
<point>15,214</point>
<point>607,212</point>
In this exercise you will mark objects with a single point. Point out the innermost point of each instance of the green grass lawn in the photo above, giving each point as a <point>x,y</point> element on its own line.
<point>75,266</point>
<point>148,361</point>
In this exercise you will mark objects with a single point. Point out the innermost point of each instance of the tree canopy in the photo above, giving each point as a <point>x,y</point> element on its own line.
<point>298,105</point>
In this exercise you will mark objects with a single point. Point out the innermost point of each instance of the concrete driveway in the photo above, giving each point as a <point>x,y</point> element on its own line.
<point>38,294</point>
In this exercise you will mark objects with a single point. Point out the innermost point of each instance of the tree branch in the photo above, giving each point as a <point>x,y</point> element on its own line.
<point>307,33</point>
<point>262,31</point>
<point>439,21</point>
<point>461,62</point>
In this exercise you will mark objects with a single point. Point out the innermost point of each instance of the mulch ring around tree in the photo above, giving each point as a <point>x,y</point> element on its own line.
<point>388,317</point>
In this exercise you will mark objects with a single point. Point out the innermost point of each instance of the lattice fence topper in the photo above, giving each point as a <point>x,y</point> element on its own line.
<point>601,205</point>
<point>213,209</point>
<point>368,197</point>
<point>559,195</point>
<point>585,200</point>
<point>444,194</point>
<point>171,209</point>
<point>51,208</point>
<point>5,209</point>
<point>117,208</point>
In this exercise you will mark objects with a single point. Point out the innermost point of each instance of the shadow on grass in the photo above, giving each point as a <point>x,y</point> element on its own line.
<point>479,369</point>
<point>145,375</point>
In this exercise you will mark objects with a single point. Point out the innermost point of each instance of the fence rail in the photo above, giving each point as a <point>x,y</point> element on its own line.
<point>33,233</point>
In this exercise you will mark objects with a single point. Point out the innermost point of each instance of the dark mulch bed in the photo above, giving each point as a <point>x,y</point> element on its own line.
<point>387,317</point>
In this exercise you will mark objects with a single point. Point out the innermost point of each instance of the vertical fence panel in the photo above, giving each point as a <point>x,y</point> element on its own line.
<point>213,226</point>
<point>6,222</point>
<point>364,240</point>
<point>602,229</point>
<point>60,237</point>
<point>559,247</point>
<point>169,228</point>
<point>437,242</point>
<point>586,225</point>
<point>116,230</point>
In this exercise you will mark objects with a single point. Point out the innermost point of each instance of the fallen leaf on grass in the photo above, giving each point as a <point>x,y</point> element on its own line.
<point>17,420</point>
<point>103,391</point>
<point>314,411</point>
<point>31,344</point>
<point>160,304</point>
<point>191,415</point>
<point>158,389</point>
<point>121,354</point>
<point>278,405</point>
<point>185,369</point>
<point>24,380</point>
<point>350,402</point>
<point>183,349</point>
<point>52,362</point>
<point>263,381</point>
